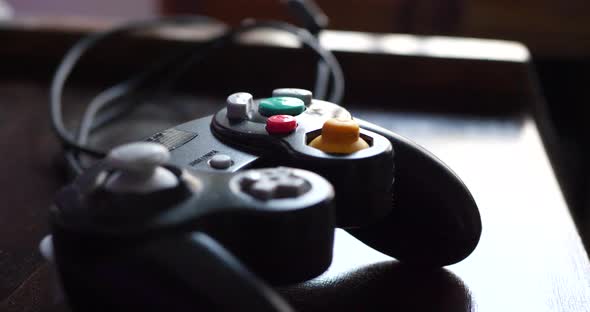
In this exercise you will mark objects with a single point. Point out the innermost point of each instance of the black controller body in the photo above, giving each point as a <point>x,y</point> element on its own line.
<point>394,196</point>
<point>117,251</point>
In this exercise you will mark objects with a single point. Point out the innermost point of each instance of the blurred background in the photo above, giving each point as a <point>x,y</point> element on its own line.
<point>556,32</point>
<point>550,28</point>
<point>490,96</point>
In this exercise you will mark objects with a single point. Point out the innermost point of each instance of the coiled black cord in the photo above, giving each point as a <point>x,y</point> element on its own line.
<point>75,145</point>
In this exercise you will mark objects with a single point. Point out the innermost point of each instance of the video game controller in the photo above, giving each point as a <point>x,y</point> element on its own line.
<point>268,179</point>
<point>426,217</point>
<point>132,228</point>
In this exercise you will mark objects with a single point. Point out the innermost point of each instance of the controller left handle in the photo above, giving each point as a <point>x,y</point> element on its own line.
<point>214,243</point>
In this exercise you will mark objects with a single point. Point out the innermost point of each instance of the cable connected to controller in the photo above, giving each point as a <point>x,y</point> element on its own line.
<point>95,116</point>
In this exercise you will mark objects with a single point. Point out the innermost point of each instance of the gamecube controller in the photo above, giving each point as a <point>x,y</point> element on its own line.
<point>265,181</point>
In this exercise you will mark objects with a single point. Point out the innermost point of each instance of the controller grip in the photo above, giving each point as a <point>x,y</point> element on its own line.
<point>189,272</point>
<point>434,221</point>
<point>202,264</point>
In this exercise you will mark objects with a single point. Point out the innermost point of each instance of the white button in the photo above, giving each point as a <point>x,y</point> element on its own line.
<point>220,161</point>
<point>138,168</point>
<point>302,94</point>
<point>138,157</point>
<point>239,105</point>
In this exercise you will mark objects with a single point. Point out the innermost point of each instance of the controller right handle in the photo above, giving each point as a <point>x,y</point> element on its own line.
<point>434,221</point>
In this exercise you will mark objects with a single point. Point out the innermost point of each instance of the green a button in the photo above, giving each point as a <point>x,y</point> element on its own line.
<point>281,106</point>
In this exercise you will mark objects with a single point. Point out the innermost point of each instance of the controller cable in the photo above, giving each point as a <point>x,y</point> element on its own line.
<point>213,271</point>
<point>75,145</point>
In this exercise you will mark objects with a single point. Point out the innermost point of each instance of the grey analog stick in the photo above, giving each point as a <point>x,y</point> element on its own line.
<point>138,168</point>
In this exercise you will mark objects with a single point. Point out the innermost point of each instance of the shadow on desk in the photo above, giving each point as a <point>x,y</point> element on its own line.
<point>359,279</point>
<point>362,279</point>
<point>386,286</point>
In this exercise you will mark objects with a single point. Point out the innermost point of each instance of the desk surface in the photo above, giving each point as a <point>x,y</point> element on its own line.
<point>530,257</point>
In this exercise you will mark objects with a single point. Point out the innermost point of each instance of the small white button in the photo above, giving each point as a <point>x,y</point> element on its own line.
<point>302,94</point>
<point>239,105</point>
<point>220,161</point>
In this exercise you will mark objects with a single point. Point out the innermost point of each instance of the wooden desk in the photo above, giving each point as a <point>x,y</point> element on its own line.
<point>530,257</point>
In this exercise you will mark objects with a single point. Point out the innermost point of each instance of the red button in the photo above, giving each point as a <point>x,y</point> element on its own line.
<point>281,124</point>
